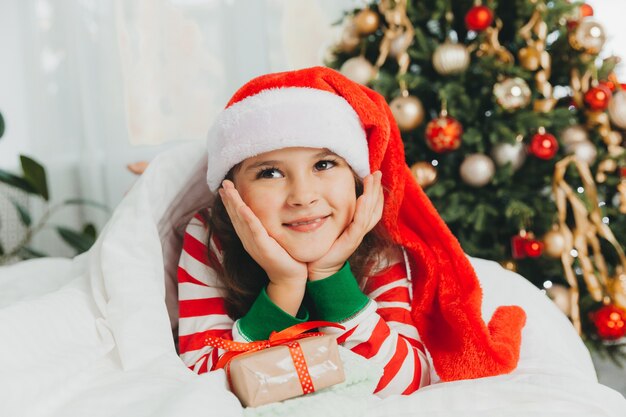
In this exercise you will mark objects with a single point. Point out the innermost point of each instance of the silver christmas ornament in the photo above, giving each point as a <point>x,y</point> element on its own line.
<point>358,69</point>
<point>512,93</point>
<point>477,170</point>
<point>584,151</point>
<point>574,134</point>
<point>451,58</point>
<point>589,36</point>
<point>514,153</point>
<point>617,109</point>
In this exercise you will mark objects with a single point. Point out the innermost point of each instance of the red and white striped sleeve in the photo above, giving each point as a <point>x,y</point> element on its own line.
<point>384,332</point>
<point>200,298</point>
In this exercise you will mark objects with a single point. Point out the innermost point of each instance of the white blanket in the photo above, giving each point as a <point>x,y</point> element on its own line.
<point>92,336</point>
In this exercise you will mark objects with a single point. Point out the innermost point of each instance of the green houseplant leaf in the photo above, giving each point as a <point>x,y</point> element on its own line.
<point>24,215</point>
<point>17,182</point>
<point>35,174</point>
<point>1,125</point>
<point>80,241</point>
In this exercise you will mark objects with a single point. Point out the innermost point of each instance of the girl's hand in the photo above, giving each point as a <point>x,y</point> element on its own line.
<point>369,210</point>
<point>280,267</point>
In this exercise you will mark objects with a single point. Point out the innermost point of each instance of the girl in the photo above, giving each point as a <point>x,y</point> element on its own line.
<point>305,165</point>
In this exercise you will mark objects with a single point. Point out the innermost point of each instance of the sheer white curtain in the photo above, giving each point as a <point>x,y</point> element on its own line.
<point>94,85</point>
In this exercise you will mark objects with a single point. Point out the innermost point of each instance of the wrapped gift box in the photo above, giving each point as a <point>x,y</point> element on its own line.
<point>270,375</point>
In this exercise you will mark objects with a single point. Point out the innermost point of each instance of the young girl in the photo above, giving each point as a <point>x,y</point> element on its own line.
<point>305,165</point>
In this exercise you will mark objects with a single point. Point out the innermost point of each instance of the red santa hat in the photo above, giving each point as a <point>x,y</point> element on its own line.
<point>319,107</point>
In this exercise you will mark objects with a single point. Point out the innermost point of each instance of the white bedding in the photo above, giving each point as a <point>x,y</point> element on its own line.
<point>92,336</point>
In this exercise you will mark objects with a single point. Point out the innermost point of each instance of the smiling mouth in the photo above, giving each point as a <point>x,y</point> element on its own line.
<point>307,225</point>
<point>306,222</point>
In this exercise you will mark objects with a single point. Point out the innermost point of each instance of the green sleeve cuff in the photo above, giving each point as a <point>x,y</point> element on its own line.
<point>338,297</point>
<point>264,317</point>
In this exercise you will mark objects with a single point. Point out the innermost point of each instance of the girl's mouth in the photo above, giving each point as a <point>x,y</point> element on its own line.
<point>307,225</point>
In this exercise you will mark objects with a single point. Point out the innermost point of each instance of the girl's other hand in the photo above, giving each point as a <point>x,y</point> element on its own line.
<point>282,270</point>
<point>368,212</point>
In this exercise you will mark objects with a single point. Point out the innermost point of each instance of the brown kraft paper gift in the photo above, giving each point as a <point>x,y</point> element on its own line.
<point>269,375</point>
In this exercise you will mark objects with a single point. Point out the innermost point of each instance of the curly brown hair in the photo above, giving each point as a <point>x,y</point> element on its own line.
<point>244,279</point>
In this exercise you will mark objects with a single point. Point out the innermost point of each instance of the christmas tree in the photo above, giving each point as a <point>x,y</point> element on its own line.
<point>513,126</point>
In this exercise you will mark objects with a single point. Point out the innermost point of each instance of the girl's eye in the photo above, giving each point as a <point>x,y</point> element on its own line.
<point>269,173</point>
<point>324,165</point>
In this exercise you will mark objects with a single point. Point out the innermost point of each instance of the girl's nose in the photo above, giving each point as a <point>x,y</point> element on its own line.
<point>302,191</point>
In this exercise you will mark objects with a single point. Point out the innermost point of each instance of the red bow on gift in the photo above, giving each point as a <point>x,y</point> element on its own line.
<point>287,337</point>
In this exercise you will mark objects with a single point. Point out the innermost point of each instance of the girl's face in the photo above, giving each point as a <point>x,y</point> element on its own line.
<point>304,197</point>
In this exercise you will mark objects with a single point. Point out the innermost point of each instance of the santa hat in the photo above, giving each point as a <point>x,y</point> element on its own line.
<point>319,107</point>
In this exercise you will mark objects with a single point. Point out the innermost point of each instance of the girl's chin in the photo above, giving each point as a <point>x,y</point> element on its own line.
<point>307,256</point>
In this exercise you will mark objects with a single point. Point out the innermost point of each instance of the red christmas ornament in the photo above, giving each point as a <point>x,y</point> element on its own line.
<point>479,18</point>
<point>543,145</point>
<point>585,10</point>
<point>598,98</point>
<point>610,322</point>
<point>533,248</point>
<point>524,245</point>
<point>443,134</point>
<point>609,84</point>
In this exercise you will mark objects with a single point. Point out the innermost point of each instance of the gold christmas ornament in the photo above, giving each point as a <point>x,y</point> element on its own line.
<point>366,21</point>
<point>554,243</point>
<point>530,58</point>
<point>451,58</point>
<point>358,69</point>
<point>512,93</point>
<point>349,38</point>
<point>477,170</point>
<point>425,173</point>
<point>562,297</point>
<point>408,112</point>
<point>513,153</point>
<point>589,36</point>
<point>617,109</point>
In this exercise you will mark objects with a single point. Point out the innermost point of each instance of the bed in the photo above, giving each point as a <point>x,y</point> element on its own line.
<point>94,335</point>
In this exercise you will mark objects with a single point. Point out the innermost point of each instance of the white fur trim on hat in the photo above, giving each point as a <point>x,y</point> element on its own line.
<point>281,118</point>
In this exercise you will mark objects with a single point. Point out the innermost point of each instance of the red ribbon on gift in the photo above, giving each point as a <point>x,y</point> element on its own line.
<point>288,337</point>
